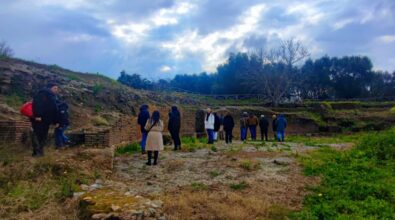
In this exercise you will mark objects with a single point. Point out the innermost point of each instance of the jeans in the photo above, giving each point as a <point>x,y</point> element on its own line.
<point>210,134</point>
<point>60,138</point>
<point>215,135</point>
<point>253,132</point>
<point>243,134</point>
<point>143,141</point>
<point>280,135</point>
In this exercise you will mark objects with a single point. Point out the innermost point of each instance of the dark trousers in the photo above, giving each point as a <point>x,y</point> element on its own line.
<point>210,134</point>
<point>228,136</point>
<point>156,155</point>
<point>253,132</point>
<point>263,133</point>
<point>39,139</point>
<point>176,139</point>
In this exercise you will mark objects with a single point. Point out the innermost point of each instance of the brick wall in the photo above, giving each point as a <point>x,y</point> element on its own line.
<point>14,131</point>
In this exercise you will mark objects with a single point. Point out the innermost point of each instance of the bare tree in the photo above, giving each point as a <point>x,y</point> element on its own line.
<point>276,73</point>
<point>5,50</point>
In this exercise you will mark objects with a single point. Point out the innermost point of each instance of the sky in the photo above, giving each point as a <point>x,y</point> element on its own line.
<point>161,38</point>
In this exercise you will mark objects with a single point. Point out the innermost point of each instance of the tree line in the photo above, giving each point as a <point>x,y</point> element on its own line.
<point>282,72</point>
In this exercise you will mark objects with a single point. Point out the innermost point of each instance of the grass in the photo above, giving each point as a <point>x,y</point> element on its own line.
<point>356,184</point>
<point>392,110</point>
<point>192,144</point>
<point>199,186</point>
<point>214,173</point>
<point>322,140</point>
<point>239,186</point>
<point>14,100</point>
<point>249,165</point>
<point>128,149</point>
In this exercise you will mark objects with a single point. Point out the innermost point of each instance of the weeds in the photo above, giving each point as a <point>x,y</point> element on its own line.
<point>357,184</point>
<point>214,173</point>
<point>128,149</point>
<point>249,165</point>
<point>239,186</point>
<point>199,186</point>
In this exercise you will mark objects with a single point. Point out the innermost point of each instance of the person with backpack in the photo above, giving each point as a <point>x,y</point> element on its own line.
<point>174,127</point>
<point>217,126</point>
<point>252,122</point>
<point>154,128</point>
<point>281,124</point>
<point>142,121</point>
<point>45,112</point>
<point>243,126</point>
<point>229,124</point>
<point>61,140</point>
<point>209,121</point>
<point>263,125</point>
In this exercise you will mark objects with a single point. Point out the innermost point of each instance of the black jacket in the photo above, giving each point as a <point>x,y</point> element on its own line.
<point>143,117</point>
<point>45,107</point>
<point>217,123</point>
<point>174,125</point>
<point>274,124</point>
<point>263,123</point>
<point>229,123</point>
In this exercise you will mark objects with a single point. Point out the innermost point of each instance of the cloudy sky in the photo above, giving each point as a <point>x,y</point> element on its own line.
<point>160,38</point>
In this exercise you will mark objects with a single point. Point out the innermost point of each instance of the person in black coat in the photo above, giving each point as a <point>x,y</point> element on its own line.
<point>264,125</point>
<point>45,113</point>
<point>217,126</point>
<point>142,120</point>
<point>229,124</point>
<point>61,140</point>
<point>274,126</point>
<point>174,127</point>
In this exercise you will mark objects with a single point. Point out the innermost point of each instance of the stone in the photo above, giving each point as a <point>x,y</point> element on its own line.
<point>101,216</point>
<point>157,204</point>
<point>95,186</point>
<point>151,212</point>
<point>78,194</point>
<point>99,181</point>
<point>115,208</point>
<point>84,187</point>
<point>162,218</point>
<point>282,161</point>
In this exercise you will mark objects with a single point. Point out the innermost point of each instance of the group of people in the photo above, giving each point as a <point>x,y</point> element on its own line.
<point>46,110</point>
<point>151,129</point>
<point>214,124</point>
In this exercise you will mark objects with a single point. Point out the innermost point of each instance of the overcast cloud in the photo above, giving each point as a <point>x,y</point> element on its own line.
<point>165,37</point>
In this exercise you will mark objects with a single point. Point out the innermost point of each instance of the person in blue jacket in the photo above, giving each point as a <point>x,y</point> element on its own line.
<point>142,120</point>
<point>281,125</point>
<point>61,140</point>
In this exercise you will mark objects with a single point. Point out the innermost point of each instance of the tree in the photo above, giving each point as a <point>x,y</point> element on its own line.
<point>134,81</point>
<point>273,73</point>
<point>5,50</point>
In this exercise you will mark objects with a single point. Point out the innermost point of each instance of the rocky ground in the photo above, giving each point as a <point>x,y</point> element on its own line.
<point>238,181</point>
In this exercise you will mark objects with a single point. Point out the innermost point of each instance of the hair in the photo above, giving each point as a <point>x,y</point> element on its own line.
<point>51,84</point>
<point>155,117</point>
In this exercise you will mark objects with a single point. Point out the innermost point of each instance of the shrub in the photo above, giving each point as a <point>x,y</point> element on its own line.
<point>97,88</point>
<point>128,149</point>
<point>380,145</point>
<point>392,110</point>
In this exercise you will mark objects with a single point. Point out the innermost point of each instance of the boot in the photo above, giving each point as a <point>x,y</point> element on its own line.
<point>156,155</point>
<point>149,158</point>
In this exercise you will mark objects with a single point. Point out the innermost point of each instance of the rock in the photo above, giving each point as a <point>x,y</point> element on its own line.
<point>149,183</point>
<point>101,216</point>
<point>157,204</point>
<point>115,208</point>
<point>95,186</point>
<point>78,194</point>
<point>162,218</point>
<point>84,187</point>
<point>151,212</point>
<point>99,181</point>
<point>282,161</point>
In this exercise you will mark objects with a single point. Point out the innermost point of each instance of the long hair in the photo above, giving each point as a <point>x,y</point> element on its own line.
<point>155,117</point>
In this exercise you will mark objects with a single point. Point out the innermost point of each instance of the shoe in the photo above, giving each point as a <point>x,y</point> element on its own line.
<point>143,152</point>
<point>155,163</point>
<point>148,163</point>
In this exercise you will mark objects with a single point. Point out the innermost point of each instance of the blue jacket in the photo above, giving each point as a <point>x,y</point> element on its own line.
<point>281,123</point>
<point>63,114</point>
<point>143,117</point>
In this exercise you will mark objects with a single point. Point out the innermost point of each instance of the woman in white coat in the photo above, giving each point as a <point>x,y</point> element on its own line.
<point>154,127</point>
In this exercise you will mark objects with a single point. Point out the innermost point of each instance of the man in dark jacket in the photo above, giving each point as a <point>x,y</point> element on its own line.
<point>174,127</point>
<point>61,140</point>
<point>142,120</point>
<point>229,124</point>
<point>281,124</point>
<point>217,126</point>
<point>44,114</point>
<point>264,125</point>
<point>274,127</point>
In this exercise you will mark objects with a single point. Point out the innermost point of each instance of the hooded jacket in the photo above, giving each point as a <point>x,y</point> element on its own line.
<point>174,125</point>
<point>143,117</point>
<point>44,106</point>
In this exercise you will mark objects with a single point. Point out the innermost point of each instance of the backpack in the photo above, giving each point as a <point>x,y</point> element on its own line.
<point>27,109</point>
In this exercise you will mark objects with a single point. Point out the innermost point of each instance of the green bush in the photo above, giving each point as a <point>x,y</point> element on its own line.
<point>392,110</point>
<point>356,184</point>
<point>128,149</point>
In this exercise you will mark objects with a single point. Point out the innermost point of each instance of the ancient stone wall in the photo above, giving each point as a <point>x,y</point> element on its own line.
<point>14,131</point>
